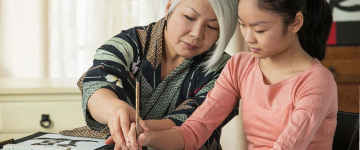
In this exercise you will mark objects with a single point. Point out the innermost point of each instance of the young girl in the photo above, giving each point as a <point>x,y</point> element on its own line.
<point>289,100</point>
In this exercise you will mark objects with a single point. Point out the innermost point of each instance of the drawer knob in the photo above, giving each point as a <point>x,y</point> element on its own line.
<point>45,121</point>
<point>332,70</point>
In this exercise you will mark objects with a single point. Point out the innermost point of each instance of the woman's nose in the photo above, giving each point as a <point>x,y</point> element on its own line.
<point>197,31</point>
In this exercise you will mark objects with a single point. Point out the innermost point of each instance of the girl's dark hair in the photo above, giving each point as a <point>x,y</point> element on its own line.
<point>318,19</point>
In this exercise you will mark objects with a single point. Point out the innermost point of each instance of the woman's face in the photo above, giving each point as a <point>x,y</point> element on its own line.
<point>192,28</point>
<point>262,31</point>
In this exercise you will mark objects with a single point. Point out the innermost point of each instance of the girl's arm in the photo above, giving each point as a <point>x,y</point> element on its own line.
<point>159,125</point>
<point>167,139</point>
<point>316,102</point>
<point>197,129</point>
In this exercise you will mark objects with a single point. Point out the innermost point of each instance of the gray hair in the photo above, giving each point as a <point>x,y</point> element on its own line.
<point>226,13</point>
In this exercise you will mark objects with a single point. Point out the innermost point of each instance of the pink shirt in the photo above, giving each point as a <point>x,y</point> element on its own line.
<point>296,113</point>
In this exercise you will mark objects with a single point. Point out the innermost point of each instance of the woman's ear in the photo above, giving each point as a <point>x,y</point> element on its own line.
<point>167,8</point>
<point>298,22</point>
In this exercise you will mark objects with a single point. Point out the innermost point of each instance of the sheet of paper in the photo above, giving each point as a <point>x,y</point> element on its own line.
<point>76,143</point>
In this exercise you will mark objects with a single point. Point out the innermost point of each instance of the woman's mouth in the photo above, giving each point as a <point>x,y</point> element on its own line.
<point>189,46</point>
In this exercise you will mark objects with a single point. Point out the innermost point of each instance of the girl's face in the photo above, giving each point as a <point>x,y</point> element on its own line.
<point>192,28</point>
<point>262,31</point>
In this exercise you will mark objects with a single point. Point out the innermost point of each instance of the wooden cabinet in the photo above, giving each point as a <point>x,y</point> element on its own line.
<point>344,63</point>
<point>23,102</point>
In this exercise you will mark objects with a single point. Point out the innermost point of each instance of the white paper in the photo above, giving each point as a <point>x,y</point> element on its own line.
<point>76,143</point>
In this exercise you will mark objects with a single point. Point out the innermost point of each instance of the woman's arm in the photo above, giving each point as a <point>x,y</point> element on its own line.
<point>108,86</point>
<point>111,70</point>
<point>102,104</point>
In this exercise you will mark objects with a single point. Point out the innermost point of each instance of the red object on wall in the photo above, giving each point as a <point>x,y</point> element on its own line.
<point>332,36</point>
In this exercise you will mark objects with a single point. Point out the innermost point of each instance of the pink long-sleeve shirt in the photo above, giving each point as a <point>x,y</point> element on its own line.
<point>296,113</point>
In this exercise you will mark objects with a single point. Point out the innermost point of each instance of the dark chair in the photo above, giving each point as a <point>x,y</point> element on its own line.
<point>347,131</point>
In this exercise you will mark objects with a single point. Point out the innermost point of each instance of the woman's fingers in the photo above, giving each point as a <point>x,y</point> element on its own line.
<point>129,146</point>
<point>110,140</point>
<point>125,123</point>
<point>116,132</point>
<point>132,136</point>
<point>120,124</point>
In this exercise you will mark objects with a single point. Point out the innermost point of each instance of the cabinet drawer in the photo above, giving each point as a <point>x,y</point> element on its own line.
<point>25,117</point>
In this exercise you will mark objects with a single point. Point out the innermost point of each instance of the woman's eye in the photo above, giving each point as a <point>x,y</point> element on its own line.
<point>212,27</point>
<point>241,24</point>
<point>259,31</point>
<point>191,19</point>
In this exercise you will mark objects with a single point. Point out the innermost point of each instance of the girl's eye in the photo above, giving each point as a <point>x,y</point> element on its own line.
<point>191,19</point>
<point>212,27</point>
<point>259,31</point>
<point>241,24</point>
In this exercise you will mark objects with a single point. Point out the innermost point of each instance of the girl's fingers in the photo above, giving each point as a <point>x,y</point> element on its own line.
<point>144,139</point>
<point>143,125</point>
<point>109,141</point>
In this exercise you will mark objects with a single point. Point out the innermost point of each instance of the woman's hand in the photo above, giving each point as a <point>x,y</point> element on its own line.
<point>119,123</point>
<point>134,143</point>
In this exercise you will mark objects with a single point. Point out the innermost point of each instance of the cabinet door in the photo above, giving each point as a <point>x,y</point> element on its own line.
<point>344,63</point>
<point>25,117</point>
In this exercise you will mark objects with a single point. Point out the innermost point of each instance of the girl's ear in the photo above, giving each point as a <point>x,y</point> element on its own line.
<point>167,8</point>
<point>298,22</point>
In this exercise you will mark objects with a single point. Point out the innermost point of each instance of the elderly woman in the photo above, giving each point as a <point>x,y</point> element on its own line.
<point>177,60</point>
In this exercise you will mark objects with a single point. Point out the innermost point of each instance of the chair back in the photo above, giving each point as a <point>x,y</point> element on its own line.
<point>347,131</point>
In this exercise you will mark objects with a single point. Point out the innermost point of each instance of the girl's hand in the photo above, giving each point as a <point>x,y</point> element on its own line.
<point>145,138</point>
<point>119,123</point>
<point>167,139</point>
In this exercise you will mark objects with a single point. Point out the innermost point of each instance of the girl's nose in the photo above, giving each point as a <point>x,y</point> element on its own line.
<point>249,36</point>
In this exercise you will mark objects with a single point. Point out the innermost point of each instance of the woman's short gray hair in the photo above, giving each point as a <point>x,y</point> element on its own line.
<point>226,13</point>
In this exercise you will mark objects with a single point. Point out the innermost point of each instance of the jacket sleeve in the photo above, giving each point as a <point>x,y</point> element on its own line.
<point>114,66</point>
